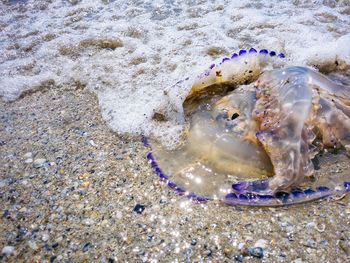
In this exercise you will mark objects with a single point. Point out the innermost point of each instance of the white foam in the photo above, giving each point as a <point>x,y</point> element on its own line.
<point>163,42</point>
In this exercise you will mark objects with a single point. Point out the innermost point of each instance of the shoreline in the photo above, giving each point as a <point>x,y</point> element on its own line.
<point>73,190</point>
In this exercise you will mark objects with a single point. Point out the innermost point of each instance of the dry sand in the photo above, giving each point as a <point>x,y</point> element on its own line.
<point>69,187</point>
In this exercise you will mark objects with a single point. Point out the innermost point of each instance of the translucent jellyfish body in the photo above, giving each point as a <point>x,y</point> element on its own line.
<point>260,143</point>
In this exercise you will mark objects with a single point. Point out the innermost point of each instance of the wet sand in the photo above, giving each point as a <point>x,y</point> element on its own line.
<point>71,190</point>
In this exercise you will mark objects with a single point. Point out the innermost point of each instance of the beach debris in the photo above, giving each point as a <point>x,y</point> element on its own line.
<point>139,208</point>
<point>38,163</point>
<point>7,250</point>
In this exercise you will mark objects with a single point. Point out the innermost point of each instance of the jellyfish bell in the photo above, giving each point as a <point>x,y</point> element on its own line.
<point>255,144</point>
<point>220,147</point>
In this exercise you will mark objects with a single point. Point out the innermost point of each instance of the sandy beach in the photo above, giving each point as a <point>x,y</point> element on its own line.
<point>83,74</point>
<point>74,191</point>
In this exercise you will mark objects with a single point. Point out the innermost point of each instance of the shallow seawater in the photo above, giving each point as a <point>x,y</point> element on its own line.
<point>131,53</point>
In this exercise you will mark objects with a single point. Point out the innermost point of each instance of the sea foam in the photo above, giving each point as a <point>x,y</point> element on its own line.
<point>131,53</point>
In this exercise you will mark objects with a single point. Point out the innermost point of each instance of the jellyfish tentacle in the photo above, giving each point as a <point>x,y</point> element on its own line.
<point>284,104</point>
<point>334,125</point>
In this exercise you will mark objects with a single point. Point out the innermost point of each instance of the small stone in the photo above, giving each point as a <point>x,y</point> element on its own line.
<point>23,209</point>
<point>241,245</point>
<point>39,163</point>
<point>24,182</point>
<point>310,225</point>
<point>261,243</point>
<point>105,223</point>
<point>324,243</point>
<point>87,247</point>
<point>6,214</point>
<point>119,215</point>
<point>32,244</point>
<point>83,192</point>
<point>298,260</point>
<point>86,184</point>
<point>256,252</point>
<point>45,237</point>
<point>238,258</point>
<point>311,243</point>
<point>2,183</point>
<point>89,222</point>
<point>92,143</point>
<point>228,251</point>
<point>55,245</point>
<point>28,155</point>
<point>7,250</point>
<point>139,208</point>
<point>119,157</point>
<point>29,160</point>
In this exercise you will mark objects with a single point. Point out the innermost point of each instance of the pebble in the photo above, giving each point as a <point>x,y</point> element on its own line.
<point>256,252</point>
<point>7,250</point>
<point>324,243</point>
<point>23,209</point>
<point>45,237</point>
<point>311,243</point>
<point>6,214</point>
<point>92,143</point>
<point>2,183</point>
<point>89,222</point>
<point>25,182</point>
<point>29,160</point>
<point>28,155</point>
<point>228,251</point>
<point>39,163</point>
<point>238,258</point>
<point>241,245</point>
<point>119,157</point>
<point>139,208</point>
<point>261,243</point>
<point>87,247</point>
<point>86,184</point>
<point>298,260</point>
<point>119,215</point>
<point>55,245</point>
